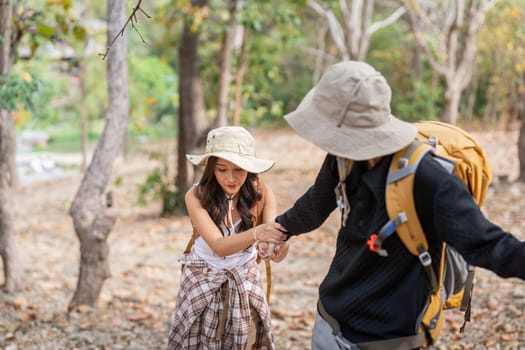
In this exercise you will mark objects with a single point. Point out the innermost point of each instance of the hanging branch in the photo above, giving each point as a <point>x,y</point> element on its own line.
<point>131,19</point>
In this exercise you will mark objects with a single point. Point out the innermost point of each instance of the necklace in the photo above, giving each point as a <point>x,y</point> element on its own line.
<point>230,209</point>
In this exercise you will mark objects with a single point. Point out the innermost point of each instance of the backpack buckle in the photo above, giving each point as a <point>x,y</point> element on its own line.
<point>433,141</point>
<point>425,258</point>
<point>374,244</point>
<point>375,241</point>
<point>402,163</point>
<point>342,201</point>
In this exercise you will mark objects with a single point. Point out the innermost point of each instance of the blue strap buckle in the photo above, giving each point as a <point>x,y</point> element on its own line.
<point>376,239</point>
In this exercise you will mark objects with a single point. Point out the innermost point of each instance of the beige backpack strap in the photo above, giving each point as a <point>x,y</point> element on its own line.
<point>194,236</point>
<point>189,245</point>
<point>257,212</point>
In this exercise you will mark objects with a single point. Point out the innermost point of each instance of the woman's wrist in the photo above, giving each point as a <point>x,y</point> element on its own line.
<point>255,239</point>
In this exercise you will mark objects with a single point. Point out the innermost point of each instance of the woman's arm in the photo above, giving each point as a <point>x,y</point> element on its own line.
<point>223,246</point>
<point>270,205</point>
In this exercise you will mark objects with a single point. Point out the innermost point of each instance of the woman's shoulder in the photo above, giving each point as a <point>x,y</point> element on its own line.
<point>191,193</point>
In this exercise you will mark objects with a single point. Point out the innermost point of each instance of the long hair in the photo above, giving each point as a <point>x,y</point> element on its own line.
<point>213,199</point>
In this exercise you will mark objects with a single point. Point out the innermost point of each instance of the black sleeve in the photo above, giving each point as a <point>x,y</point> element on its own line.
<point>316,204</point>
<point>457,219</point>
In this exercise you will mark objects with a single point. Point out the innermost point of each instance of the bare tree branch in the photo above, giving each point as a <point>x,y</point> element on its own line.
<point>335,27</point>
<point>352,28</point>
<point>417,15</point>
<point>330,58</point>
<point>387,21</point>
<point>131,19</point>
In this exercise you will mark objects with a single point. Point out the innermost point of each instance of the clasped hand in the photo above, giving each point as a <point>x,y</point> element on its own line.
<point>268,246</point>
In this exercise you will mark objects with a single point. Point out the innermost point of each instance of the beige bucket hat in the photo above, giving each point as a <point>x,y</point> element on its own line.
<point>347,114</point>
<point>235,144</point>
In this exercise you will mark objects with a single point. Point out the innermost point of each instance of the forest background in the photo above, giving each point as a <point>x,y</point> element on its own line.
<point>190,66</point>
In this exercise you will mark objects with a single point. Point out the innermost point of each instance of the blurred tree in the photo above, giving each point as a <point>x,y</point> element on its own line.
<point>447,32</point>
<point>7,136</point>
<point>13,275</point>
<point>94,219</point>
<point>351,24</point>
<point>192,111</point>
<point>267,62</point>
<point>500,64</point>
<point>417,89</point>
<point>225,59</point>
<point>521,138</point>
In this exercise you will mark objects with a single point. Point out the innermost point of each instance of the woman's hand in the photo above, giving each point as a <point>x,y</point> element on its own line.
<point>280,252</point>
<point>270,233</point>
<point>272,251</point>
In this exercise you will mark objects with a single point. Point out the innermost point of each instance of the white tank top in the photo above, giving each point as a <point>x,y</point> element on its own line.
<point>203,250</point>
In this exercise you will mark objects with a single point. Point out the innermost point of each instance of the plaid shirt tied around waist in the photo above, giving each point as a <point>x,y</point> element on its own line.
<point>196,320</point>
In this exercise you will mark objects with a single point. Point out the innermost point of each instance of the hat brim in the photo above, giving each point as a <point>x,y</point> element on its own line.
<point>250,164</point>
<point>352,143</point>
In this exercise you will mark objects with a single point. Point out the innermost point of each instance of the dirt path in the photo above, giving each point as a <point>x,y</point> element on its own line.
<point>136,303</point>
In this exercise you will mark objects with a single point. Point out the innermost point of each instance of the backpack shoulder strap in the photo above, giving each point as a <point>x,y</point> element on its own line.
<point>344,167</point>
<point>190,243</point>
<point>400,203</point>
<point>257,212</point>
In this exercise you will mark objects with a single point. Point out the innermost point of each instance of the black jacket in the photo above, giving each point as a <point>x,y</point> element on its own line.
<point>376,297</point>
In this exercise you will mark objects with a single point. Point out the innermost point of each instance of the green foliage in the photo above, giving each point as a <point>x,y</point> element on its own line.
<point>37,22</point>
<point>418,103</point>
<point>159,185</point>
<point>414,97</point>
<point>16,91</point>
<point>281,37</point>
<point>153,91</point>
<point>267,85</point>
<point>57,98</point>
<point>271,29</point>
<point>500,67</point>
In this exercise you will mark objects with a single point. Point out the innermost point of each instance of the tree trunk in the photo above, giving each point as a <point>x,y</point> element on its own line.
<point>6,60</point>
<point>83,113</point>
<point>489,117</point>
<point>471,99</point>
<point>521,139</point>
<point>12,269</point>
<point>454,31</point>
<point>192,118</point>
<point>451,105</point>
<point>93,219</point>
<point>8,176</point>
<point>239,77</point>
<point>10,135</point>
<point>521,152</point>
<point>225,75</point>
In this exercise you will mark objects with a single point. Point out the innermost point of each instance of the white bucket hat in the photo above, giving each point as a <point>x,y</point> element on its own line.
<point>347,114</point>
<point>234,144</point>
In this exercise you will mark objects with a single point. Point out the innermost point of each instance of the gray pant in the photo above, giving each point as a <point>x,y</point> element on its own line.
<point>324,339</point>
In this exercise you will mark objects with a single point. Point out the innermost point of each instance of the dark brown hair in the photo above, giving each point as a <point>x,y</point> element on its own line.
<point>213,199</point>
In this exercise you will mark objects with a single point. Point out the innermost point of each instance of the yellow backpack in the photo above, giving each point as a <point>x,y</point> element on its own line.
<point>456,150</point>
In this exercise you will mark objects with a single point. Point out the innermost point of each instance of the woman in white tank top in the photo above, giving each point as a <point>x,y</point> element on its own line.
<point>221,303</point>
